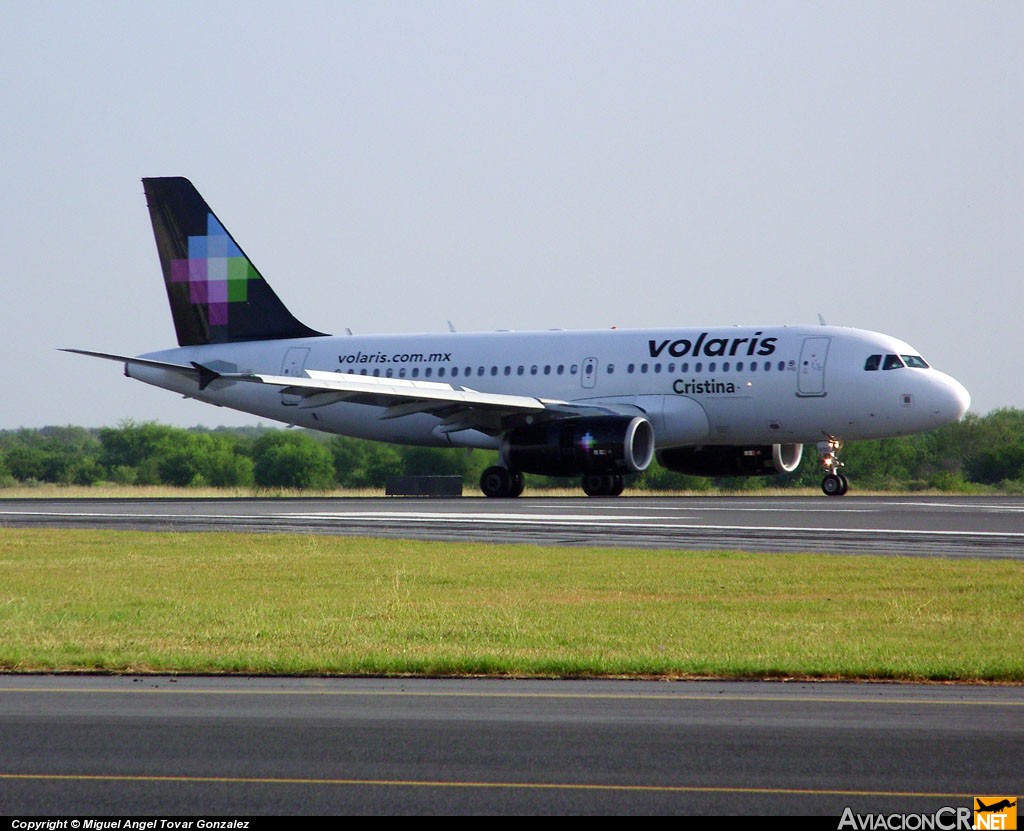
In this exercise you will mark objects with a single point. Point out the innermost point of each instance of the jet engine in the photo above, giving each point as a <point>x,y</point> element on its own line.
<point>572,446</point>
<point>713,460</point>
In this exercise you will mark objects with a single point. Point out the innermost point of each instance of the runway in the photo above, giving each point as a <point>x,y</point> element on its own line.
<point>937,526</point>
<point>238,747</point>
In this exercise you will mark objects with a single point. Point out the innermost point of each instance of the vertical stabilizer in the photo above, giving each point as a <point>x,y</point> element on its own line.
<point>216,293</point>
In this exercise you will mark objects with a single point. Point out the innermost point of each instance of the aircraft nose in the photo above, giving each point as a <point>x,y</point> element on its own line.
<point>954,399</point>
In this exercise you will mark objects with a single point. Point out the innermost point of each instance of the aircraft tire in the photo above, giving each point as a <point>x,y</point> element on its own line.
<point>518,484</point>
<point>832,485</point>
<point>497,482</point>
<point>602,484</point>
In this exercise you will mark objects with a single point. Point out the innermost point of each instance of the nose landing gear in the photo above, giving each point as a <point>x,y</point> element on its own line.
<point>834,483</point>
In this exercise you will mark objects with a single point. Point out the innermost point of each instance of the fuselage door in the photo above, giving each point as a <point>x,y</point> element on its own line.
<point>588,377</point>
<point>811,372</point>
<point>292,366</point>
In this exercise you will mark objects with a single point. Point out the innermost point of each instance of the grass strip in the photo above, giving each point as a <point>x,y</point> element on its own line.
<point>75,600</point>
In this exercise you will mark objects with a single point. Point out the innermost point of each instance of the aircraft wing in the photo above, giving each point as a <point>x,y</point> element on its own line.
<point>462,408</point>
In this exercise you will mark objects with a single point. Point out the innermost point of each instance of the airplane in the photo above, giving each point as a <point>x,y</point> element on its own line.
<point>708,401</point>
<point>996,808</point>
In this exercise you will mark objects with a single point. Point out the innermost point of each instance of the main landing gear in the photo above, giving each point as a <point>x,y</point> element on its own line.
<point>501,483</point>
<point>834,483</point>
<point>603,484</point>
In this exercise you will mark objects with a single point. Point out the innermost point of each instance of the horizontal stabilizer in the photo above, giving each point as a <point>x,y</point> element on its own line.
<point>193,371</point>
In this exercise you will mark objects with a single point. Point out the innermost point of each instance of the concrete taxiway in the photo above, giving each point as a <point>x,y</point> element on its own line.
<point>944,526</point>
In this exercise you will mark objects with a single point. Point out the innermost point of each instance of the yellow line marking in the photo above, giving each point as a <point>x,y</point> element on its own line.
<point>414,783</point>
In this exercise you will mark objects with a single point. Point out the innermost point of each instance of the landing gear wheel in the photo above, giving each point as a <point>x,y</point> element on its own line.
<point>518,484</point>
<point>603,484</point>
<point>833,485</point>
<point>498,482</point>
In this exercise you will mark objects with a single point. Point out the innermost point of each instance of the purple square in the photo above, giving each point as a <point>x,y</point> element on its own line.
<point>179,271</point>
<point>218,314</point>
<point>198,293</point>
<point>197,271</point>
<point>217,291</point>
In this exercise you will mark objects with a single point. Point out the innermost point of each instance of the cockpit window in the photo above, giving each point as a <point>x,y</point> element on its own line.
<point>915,361</point>
<point>871,364</point>
<point>892,362</point>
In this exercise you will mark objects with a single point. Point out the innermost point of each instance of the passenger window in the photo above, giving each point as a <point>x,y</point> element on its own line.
<point>871,364</point>
<point>455,372</point>
<point>725,367</point>
<point>711,366</point>
<point>494,370</point>
<point>643,368</point>
<point>684,367</point>
<point>561,369</point>
<point>572,369</point>
<point>508,370</point>
<point>739,366</point>
<point>440,372</point>
<point>697,367</point>
<point>547,369</point>
<point>428,372</point>
<point>631,368</point>
<point>519,370</point>
<point>892,362</point>
<point>657,367</point>
<point>533,370</point>
<point>611,369</point>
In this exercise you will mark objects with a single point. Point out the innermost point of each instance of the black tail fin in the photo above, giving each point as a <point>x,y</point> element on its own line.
<point>216,293</point>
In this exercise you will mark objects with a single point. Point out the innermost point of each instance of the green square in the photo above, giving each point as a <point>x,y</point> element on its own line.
<point>238,290</point>
<point>239,268</point>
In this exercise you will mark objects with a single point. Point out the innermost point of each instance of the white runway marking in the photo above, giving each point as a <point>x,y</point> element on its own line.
<point>616,522</point>
<point>609,521</point>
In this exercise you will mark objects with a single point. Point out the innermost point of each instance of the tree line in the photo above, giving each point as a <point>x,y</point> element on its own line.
<point>980,453</point>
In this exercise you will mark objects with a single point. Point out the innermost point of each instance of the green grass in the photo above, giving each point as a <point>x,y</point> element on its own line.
<point>150,602</point>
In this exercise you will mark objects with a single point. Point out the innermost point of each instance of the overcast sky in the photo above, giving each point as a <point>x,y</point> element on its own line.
<point>392,166</point>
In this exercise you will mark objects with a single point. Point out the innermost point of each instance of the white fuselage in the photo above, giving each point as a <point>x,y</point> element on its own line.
<point>703,386</point>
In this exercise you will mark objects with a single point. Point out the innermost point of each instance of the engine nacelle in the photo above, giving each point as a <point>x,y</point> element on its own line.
<point>712,460</point>
<point>572,446</point>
